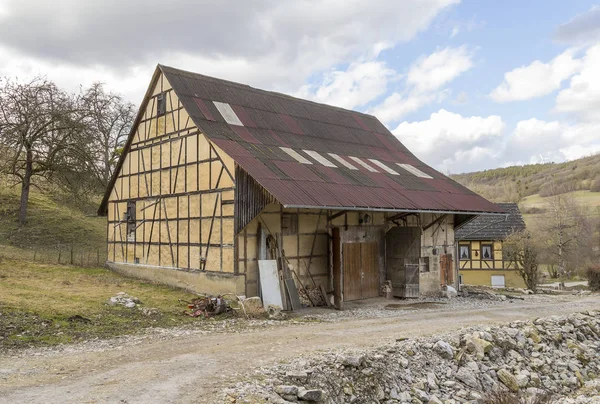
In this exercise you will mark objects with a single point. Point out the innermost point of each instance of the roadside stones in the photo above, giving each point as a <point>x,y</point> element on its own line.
<point>524,357</point>
<point>444,349</point>
<point>123,299</point>
<point>310,395</point>
<point>509,380</point>
<point>468,377</point>
<point>286,390</point>
<point>253,305</point>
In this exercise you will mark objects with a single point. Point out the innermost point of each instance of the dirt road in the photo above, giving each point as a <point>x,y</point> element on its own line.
<point>193,368</point>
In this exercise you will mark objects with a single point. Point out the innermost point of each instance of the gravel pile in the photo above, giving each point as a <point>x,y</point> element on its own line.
<point>555,355</point>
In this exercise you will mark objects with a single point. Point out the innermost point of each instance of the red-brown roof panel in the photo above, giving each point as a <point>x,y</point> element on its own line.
<point>271,121</point>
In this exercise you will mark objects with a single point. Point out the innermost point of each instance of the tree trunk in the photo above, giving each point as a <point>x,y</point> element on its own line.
<point>25,186</point>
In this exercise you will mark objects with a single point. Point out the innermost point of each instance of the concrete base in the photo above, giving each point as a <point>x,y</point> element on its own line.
<point>212,283</point>
<point>484,277</point>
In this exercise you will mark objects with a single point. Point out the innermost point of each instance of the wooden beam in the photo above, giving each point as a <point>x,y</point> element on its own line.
<point>400,216</point>
<point>439,219</point>
<point>336,215</point>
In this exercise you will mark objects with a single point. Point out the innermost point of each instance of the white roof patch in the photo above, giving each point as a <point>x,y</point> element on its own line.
<point>228,113</point>
<point>383,166</point>
<point>365,165</point>
<point>297,156</point>
<point>319,158</point>
<point>342,161</point>
<point>415,171</point>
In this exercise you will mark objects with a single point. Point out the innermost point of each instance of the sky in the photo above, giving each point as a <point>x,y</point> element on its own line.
<point>465,85</point>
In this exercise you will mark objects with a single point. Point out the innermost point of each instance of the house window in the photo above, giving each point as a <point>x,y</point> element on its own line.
<point>130,218</point>
<point>161,104</point>
<point>289,223</point>
<point>465,252</point>
<point>487,252</point>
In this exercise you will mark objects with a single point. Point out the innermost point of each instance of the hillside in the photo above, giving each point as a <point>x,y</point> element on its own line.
<point>512,184</point>
<point>52,226</point>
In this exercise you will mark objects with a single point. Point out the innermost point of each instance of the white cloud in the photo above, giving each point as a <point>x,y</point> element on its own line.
<point>436,70</point>
<point>425,82</point>
<point>454,143</point>
<point>537,79</point>
<point>265,43</point>
<point>354,87</point>
<point>582,97</point>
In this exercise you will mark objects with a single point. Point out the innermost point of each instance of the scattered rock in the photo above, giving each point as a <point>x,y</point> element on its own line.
<point>509,380</point>
<point>444,349</point>
<point>310,395</point>
<point>123,299</point>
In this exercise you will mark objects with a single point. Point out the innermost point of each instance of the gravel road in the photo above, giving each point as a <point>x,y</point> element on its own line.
<point>185,366</point>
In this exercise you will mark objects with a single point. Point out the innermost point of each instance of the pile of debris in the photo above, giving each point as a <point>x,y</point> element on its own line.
<point>123,299</point>
<point>206,306</point>
<point>555,355</point>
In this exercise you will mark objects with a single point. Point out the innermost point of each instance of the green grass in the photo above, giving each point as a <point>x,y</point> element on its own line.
<point>39,304</point>
<point>50,224</point>
<point>590,201</point>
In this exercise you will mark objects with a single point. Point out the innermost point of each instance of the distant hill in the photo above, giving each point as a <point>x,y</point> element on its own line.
<point>513,184</point>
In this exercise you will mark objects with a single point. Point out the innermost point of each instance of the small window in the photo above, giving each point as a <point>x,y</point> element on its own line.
<point>130,217</point>
<point>487,252</point>
<point>289,223</point>
<point>161,104</point>
<point>465,252</point>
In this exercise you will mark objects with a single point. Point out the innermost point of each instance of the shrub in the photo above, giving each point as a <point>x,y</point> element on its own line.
<point>595,186</point>
<point>593,275</point>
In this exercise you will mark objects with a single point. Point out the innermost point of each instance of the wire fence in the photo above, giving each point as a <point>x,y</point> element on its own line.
<point>63,255</point>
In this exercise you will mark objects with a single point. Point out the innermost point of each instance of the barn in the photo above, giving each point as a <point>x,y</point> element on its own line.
<point>216,176</point>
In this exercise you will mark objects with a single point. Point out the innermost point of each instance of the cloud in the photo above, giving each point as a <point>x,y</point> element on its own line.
<point>558,141</point>
<point>354,87</point>
<point>434,71</point>
<point>582,98</point>
<point>265,43</point>
<point>537,79</point>
<point>425,83</point>
<point>452,142</point>
<point>584,28</point>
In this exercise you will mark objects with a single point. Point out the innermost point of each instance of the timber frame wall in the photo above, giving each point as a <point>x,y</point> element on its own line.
<point>476,261</point>
<point>183,190</point>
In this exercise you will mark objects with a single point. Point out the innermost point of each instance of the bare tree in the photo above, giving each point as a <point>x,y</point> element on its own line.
<point>39,128</point>
<point>522,250</point>
<point>109,120</point>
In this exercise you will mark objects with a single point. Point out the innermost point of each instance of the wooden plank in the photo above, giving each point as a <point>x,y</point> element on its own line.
<point>269,283</point>
<point>325,297</point>
<point>337,267</point>
<point>352,274</point>
<point>369,253</point>
<point>292,292</point>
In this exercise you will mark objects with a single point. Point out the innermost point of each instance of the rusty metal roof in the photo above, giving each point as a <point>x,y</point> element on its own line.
<point>271,121</point>
<point>258,128</point>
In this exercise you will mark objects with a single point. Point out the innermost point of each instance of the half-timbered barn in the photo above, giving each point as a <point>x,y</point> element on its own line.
<point>479,249</point>
<point>216,174</point>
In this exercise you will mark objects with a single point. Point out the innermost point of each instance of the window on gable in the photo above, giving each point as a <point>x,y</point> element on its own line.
<point>289,223</point>
<point>130,218</point>
<point>161,104</point>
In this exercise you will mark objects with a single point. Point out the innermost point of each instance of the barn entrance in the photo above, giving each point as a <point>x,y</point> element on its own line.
<point>403,247</point>
<point>361,270</point>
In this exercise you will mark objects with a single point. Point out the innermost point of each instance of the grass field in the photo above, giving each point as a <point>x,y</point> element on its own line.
<point>590,201</point>
<point>52,304</point>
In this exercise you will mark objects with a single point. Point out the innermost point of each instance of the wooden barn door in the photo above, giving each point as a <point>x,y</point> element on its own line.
<point>361,270</point>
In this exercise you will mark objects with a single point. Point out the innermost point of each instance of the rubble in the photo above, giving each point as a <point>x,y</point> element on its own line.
<point>123,299</point>
<point>555,355</point>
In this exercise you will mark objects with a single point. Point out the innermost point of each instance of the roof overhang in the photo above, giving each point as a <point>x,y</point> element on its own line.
<point>367,209</point>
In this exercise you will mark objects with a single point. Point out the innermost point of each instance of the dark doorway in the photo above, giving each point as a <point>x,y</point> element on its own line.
<point>403,247</point>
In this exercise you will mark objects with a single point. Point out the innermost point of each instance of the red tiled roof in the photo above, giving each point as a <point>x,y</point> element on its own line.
<point>272,120</point>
